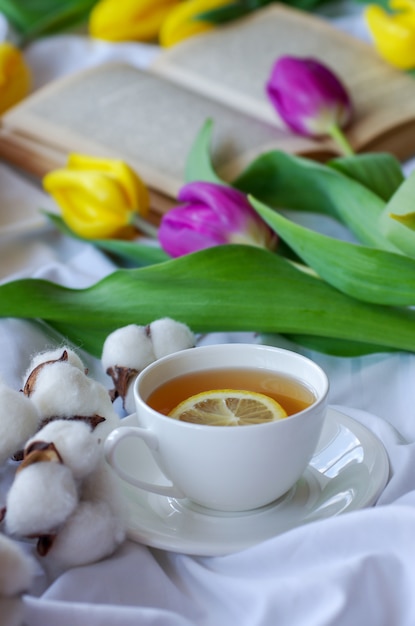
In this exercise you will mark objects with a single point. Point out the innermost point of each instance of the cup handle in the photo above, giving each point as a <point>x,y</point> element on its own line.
<point>110,446</point>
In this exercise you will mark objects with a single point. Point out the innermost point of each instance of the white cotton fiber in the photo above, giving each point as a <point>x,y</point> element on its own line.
<point>62,390</point>
<point>129,346</point>
<point>103,485</point>
<point>54,355</point>
<point>41,498</point>
<point>91,533</point>
<point>16,568</point>
<point>19,420</point>
<point>169,336</point>
<point>75,443</point>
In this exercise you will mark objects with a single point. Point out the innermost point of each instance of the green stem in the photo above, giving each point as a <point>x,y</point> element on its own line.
<point>144,226</point>
<point>339,137</point>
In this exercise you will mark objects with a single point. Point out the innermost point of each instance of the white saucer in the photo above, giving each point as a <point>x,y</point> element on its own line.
<point>348,472</point>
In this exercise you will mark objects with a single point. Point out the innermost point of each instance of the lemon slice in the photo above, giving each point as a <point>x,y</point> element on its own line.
<point>228,407</point>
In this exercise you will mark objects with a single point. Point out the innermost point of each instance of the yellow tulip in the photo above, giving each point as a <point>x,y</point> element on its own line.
<point>394,33</point>
<point>14,76</point>
<point>99,198</point>
<point>123,20</point>
<point>180,23</point>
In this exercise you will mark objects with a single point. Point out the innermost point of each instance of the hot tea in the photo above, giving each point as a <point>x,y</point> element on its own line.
<point>293,395</point>
<point>227,469</point>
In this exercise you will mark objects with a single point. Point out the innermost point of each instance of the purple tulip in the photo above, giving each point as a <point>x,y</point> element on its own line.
<point>212,215</point>
<point>308,97</point>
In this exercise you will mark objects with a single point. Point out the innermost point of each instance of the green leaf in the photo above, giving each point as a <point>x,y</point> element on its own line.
<point>383,3</point>
<point>240,8</point>
<point>225,288</point>
<point>380,172</point>
<point>291,182</point>
<point>369,274</point>
<point>331,346</point>
<point>138,253</point>
<point>35,18</point>
<point>224,14</point>
<point>286,181</point>
<point>401,204</point>
<point>198,164</point>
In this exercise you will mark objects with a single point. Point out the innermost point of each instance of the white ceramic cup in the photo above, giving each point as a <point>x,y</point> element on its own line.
<point>226,468</point>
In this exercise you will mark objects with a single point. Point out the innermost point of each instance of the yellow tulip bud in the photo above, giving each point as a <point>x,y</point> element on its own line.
<point>123,20</point>
<point>98,197</point>
<point>394,33</point>
<point>181,23</point>
<point>14,76</point>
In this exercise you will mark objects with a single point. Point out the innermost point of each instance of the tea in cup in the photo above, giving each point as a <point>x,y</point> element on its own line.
<point>231,426</point>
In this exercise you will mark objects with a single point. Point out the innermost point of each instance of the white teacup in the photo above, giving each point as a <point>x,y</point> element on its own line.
<point>226,468</point>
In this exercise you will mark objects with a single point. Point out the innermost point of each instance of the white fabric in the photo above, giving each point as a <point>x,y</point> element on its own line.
<point>355,569</point>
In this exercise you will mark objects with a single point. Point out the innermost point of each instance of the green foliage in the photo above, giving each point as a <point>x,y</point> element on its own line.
<point>370,274</point>
<point>36,18</point>
<point>401,205</point>
<point>286,181</point>
<point>348,300</point>
<point>131,251</point>
<point>240,8</point>
<point>227,288</point>
<point>199,165</point>
<point>380,172</point>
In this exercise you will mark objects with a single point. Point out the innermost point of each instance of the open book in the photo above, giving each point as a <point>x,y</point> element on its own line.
<point>151,118</point>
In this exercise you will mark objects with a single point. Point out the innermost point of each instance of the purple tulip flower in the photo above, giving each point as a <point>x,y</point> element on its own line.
<point>308,96</point>
<point>212,215</point>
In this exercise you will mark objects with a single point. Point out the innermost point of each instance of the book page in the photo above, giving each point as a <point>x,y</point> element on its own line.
<point>122,112</point>
<point>232,64</point>
<point>31,156</point>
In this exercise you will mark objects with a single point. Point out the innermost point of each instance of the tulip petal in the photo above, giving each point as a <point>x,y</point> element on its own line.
<point>182,22</point>
<point>136,194</point>
<point>308,96</point>
<point>15,78</point>
<point>211,215</point>
<point>393,35</point>
<point>97,197</point>
<point>138,20</point>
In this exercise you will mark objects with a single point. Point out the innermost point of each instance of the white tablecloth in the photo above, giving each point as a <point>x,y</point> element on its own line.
<point>353,569</point>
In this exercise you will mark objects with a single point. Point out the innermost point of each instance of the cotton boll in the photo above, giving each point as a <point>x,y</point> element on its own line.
<point>91,533</point>
<point>75,442</point>
<point>54,355</point>
<point>96,527</point>
<point>62,390</point>
<point>106,409</point>
<point>103,485</point>
<point>16,570</point>
<point>19,419</point>
<point>41,498</point>
<point>169,336</point>
<point>129,346</point>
